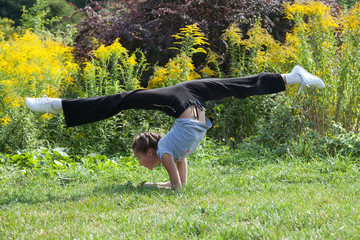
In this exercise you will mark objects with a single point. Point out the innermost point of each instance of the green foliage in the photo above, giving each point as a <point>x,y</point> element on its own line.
<point>49,17</point>
<point>276,122</point>
<point>181,68</point>
<point>342,143</point>
<point>347,3</point>
<point>35,17</point>
<point>57,162</point>
<point>62,10</point>
<point>7,28</point>
<point>11,9</point>
<point>149,25</point>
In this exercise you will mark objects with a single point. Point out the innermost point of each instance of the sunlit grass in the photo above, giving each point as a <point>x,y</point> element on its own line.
<point>289,199</point>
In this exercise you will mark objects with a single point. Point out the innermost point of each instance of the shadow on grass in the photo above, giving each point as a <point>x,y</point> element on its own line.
<point>37,196</point>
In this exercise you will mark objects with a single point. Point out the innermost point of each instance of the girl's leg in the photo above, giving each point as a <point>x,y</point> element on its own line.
<point>242,87</point>
<point>80,111</point>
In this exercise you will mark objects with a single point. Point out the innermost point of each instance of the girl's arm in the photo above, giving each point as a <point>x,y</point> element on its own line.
<point>182,169</point>
<point>174,175</point>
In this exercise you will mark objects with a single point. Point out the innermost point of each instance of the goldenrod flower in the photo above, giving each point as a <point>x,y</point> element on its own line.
<point>208,72</point>
<point>32,66</point>
<point>131,60</point>
<point>191,40</point>
<point>233,35</point>
<point>5,120</point>
<point>47,116</point>
<point>351,20</point>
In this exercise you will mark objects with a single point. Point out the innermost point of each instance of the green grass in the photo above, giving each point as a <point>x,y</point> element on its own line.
<point>257,197</point>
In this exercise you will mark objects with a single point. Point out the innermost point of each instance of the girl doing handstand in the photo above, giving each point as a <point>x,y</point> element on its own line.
<point>184,101</point>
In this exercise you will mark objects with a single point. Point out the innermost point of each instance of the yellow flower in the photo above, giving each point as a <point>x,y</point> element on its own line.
<point>315,10</point>
<point>5,120</point>
<point>159,78</point>
<point>51,91</point>
<point>47,116</point>
<point>233,35</point>
<point>207,71</point>
<point>351,20</point>
<point>131,60</point>
<point>29,64</point>
<point>258,37</point>
<point>11,100</point>
<point>191,39</point>
<point>103,53</point>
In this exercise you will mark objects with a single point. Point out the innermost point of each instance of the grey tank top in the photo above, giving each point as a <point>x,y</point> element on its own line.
<point>183,138</point>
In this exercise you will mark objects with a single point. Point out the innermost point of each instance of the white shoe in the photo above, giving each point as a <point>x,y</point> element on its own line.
<point>41,105</point>
<point>308,79</point>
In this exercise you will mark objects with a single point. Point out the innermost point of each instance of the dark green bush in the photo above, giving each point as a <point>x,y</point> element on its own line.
<point>149,25</point>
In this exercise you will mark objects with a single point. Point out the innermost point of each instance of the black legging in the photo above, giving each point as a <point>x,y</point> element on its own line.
<point>172,100</point>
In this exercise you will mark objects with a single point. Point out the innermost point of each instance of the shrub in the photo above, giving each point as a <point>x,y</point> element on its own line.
<point>11,9</point>
<point>148,25</point>
<point>29,67</point>
<point>316,44</point>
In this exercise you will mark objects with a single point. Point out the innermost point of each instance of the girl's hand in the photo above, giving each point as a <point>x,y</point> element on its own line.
<point>162,185</point>
<point>165,185</point>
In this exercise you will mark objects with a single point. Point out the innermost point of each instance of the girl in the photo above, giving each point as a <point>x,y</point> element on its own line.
<point>184,101</point>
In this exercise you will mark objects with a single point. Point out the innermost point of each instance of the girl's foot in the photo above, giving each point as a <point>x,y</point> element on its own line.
<point>44,105</point>
<point>300,76</point>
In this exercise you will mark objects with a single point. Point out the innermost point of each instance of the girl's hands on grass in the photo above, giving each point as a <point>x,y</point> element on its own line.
<point>177,174</point>
<point>165,185</point>
<point>162,185</point>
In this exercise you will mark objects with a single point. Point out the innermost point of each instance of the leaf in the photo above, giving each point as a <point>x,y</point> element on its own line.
<point>58,163</point>
<point>61,151</point>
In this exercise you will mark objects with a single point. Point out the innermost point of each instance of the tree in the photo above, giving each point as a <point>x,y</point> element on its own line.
<point>149,25</point>
<point>12,9</point>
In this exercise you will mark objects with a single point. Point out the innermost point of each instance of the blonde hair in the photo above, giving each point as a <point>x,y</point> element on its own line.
<point>146,140</point>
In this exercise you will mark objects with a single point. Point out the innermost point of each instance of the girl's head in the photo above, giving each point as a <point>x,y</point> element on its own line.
<point>145,141</point>
<point>144,147</point>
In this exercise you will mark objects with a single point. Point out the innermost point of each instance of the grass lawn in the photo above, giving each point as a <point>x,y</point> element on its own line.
<point>256,198</point>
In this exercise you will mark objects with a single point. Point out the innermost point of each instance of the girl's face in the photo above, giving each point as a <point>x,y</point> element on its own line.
<point>149,159</point>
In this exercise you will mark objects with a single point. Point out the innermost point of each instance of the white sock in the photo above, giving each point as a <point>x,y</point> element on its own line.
<point>293,78</point>
<point>56,103</point>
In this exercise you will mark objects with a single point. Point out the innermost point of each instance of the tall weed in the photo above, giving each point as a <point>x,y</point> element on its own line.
<point>112,69</point>
<point>30,66</point>
<point>181,67</point>
<point>324,43</point>
<point>348,80</point>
